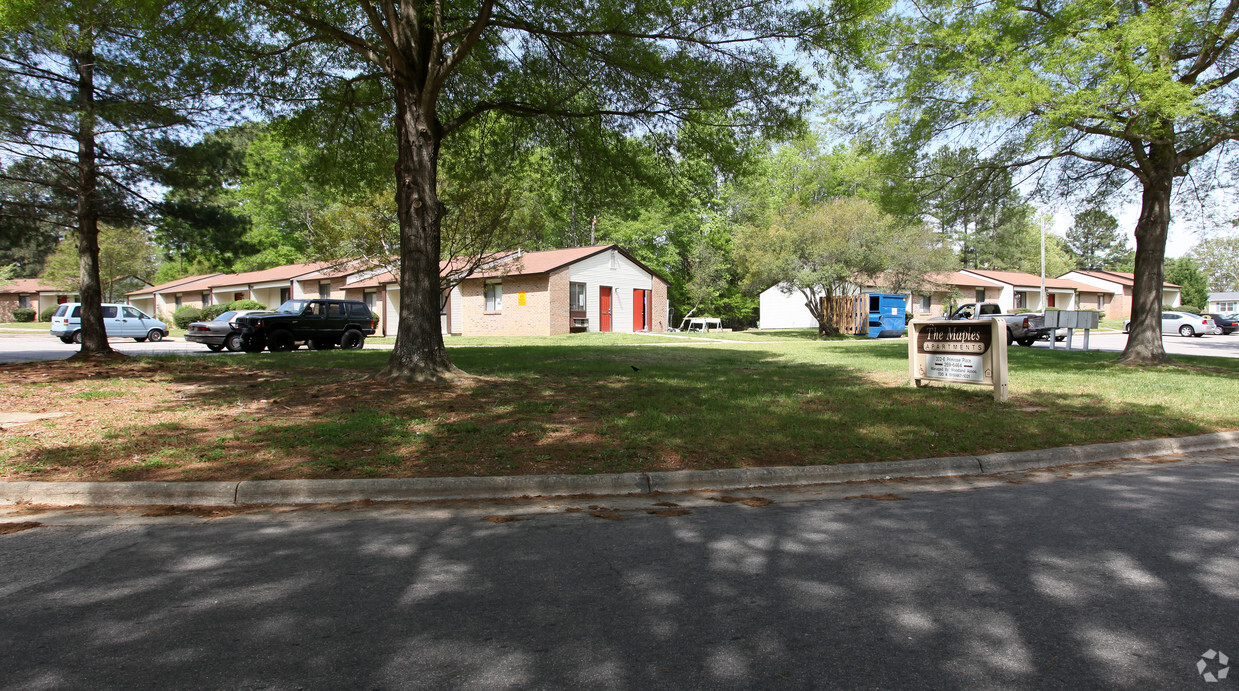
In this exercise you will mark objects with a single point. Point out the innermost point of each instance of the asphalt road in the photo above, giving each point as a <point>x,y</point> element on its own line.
<point>1107,581</point>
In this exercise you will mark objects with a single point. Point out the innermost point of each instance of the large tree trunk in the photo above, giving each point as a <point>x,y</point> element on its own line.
<point>419,354</point>
<point>1144,344</point>
<point>94,335</point>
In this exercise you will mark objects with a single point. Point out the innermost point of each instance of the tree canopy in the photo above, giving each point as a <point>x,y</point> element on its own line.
<point>585,72</point>
<point>1108,93</point>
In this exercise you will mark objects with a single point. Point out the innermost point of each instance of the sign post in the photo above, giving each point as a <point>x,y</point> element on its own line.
<point>969,352</point>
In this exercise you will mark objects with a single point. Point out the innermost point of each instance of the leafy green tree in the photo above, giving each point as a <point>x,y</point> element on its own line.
<point>199,220</point>
<point>835,249</point>
<point>585,72</point>
<point>87,89</point>
<point>1110,93</point>
<point>1194,286</point>
<point>126,262</point>
<point>1095,242</point>
<point>1218,259</point>
<point>976,208</point>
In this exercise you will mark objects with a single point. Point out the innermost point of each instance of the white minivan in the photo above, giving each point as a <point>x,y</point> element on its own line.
<point>120,321</point>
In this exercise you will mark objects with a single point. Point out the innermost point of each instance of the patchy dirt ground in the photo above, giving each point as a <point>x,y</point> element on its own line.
<point>156,420</point>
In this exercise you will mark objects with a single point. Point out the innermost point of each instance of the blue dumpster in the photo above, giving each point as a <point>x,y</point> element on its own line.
<point>886,315</point>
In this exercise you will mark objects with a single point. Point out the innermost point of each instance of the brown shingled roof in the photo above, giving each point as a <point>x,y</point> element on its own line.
<point>1024,280</point>
<point>169,285</point>
<point>29,285</point>
<point>1121,277</point>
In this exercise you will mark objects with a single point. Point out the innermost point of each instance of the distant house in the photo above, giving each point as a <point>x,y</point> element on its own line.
<point>599,288</point>
<point>1114,289</point>
<point>1223,303</point>
<point>781,310</point>
<point>1021,290</point>
<point>30,293</point>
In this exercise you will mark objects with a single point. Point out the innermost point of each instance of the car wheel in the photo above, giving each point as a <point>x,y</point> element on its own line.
<point>233,343</point>
<point>77,337</point>
<point>352,340</point>
<point>281,341</point>
<point>1186,331</point>
<point>254,344</point>
<point>1127,328</point>
<point>1027,342</point>
<point>66,340</point>
<point>1010,338</point>
<point>154,335</point>
<point>215,347</point>
<point>141,339</point>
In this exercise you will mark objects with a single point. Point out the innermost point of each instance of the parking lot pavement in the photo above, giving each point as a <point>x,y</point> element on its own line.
<point>32,347</point>
<point>1115,341</point>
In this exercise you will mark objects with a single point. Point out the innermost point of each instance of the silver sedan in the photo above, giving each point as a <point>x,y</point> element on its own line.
<point>1183,323</point>
<point>219,333</point>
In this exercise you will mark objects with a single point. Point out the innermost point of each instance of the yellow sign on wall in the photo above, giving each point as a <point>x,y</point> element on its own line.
<point>520,298</point>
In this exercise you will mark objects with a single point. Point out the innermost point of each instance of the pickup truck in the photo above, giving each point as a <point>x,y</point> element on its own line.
<point>1021,328</point>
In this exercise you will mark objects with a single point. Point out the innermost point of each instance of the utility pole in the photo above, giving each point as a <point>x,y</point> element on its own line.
<point>1043,305</point>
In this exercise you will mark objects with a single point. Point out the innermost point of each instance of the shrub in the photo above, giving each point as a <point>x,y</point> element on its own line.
<point>374,318</point>
<point>185,315</point>
<point>212,311</point>
<point>24,314</point>
<point>46,314</point>
<point>246,305</point>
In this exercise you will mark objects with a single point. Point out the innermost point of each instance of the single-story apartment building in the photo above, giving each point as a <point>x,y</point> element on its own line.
<point>596,288</point>
<point>1114,291</point>
<point>1223,303</point>
<point>31,293</point>
<point>1021,290</point>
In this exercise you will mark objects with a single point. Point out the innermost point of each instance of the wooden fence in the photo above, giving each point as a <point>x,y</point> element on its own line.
<point>851,313</point>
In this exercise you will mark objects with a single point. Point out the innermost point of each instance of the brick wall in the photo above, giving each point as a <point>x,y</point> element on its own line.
<point>557,302</point>
<point>530,319</point>
<point>8,303</point>
<point>658,306</point>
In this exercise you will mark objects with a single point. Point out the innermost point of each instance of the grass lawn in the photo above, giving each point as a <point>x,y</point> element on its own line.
<point>577,407</point>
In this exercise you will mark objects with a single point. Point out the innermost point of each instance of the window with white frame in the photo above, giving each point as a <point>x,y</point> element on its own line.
<point>576,297</point>
<point>178,301</point>
<point>926,303</point>
<point>324,290</point>
<point>980,295</point>
<point>494,296</point>
<point>23,301</point>
<point>1226,307</point>
<point>369,297</point>
<point>1021,301</point>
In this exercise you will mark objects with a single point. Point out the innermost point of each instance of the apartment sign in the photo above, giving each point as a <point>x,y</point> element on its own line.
<point>963,351</point>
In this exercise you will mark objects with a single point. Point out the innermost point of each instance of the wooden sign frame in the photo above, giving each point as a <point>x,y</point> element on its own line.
<point>960,351</point>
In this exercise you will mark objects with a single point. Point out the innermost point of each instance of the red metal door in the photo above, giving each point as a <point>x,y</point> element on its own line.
<point>604,308</point>
<point>639,322</point>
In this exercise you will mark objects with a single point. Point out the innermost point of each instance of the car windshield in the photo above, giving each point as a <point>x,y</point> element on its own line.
<point>226,316</point>
<point>292,307</point>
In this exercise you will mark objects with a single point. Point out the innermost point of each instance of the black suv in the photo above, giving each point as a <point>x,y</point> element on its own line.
<point>321,324</point>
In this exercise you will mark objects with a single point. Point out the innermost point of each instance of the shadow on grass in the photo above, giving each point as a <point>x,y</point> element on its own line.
<point>573,409</point>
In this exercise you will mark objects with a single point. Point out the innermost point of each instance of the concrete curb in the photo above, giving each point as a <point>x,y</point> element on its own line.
<point>269,492</point>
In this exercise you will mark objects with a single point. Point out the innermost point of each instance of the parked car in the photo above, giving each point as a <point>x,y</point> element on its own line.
<point>1228,325</point>
<point>1183,323</point>
<point>321,324</point>
<point>220,332</point>
<point>120,321</point>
